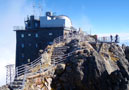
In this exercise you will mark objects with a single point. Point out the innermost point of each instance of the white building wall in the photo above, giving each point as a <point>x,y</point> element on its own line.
<point>67,24</point>
<point>45,22</point>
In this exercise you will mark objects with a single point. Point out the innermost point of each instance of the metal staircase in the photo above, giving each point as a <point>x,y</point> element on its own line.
<point>59,55</point>
<point>17,84</point>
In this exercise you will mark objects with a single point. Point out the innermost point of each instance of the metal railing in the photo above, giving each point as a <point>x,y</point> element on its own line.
<point>18,28</point>
<point>107,39</point>
<point>21,69</point>
<point>70,37</point>
<point>26,68</point>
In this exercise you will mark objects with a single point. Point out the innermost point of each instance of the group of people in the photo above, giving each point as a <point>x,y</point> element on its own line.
<point>112,38</point>
<point>116,38</point>
<point>106,39</point>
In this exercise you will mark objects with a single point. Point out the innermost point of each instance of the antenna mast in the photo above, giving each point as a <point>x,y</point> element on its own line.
<point>34,7</point>
<point>40,7</point>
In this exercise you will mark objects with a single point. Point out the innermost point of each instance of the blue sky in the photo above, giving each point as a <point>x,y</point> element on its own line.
<point>102,17</point>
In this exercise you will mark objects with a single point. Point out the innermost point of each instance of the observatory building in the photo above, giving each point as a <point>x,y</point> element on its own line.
<point>39,33</point>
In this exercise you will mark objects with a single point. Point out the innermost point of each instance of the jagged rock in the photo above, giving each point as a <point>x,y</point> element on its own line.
<point>96,66</point>
<point>90,70</point>
<point>127,52</point>
<point>60,68</point>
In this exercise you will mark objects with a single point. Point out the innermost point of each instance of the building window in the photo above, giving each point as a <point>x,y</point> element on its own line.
<point>22,35</point>
<point>50,43</point>
<point>29,44</point>
<point>29,34</point>
<point>36,35</point>
<point>36,25</point>
<point>50,34</point>
<point>28,60</point>
<point>36,45</point>
<point>22,45</point>
<point>22,55</point>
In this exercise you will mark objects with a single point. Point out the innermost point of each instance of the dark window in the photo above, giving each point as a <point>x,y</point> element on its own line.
<point>50,43</point>
<point>29,34</point>
<point>22,35</point>
<point>36,25</point>
<point>29,44</point>
<point>22,55</point>
<point>28,60</point>
<point>50,34</point>
<point>22,45</point>
<point>36,35</point>
<point>36,45</point>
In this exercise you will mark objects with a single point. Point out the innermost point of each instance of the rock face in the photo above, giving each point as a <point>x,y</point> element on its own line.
<point>127,52</point>
<point>88,69</point>
<point>89,66</point>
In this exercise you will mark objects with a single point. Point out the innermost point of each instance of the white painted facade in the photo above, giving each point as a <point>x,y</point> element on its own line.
<point>55,21</point>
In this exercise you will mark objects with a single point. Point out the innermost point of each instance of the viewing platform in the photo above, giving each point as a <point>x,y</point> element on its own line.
<point>108,39</point>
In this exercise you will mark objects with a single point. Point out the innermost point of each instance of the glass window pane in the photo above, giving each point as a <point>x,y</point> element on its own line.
<point>50,34</point>
<point>29,34</point>
<point>22,35</point>
<point>22,55</point>
<point>36,35</point>
<point>22,45</point>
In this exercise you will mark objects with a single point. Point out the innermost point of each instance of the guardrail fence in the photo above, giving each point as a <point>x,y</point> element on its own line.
<point>26,68</point>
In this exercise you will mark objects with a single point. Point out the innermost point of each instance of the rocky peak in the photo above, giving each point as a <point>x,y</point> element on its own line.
<point>90,69</point>
<point>82,66</point>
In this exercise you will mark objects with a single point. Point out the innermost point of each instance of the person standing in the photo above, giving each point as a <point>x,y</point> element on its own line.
<point>111,38</point>
<point>116,38</point>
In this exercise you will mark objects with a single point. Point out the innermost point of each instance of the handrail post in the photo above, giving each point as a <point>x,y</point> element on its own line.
<point>16,72</point>
<point>24,76</point>
<point>40,65</point>
<point>40,68</point>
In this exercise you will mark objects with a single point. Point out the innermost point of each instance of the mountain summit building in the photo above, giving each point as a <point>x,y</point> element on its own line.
<point>39,33</point>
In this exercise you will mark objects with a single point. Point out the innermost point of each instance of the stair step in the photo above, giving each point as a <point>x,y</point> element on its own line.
<point>17,82</point>
<point>18,79</point>
<point>57,59</point>
<point>60,48</point>
<point>57,56</point>
<point>63,47</point>
<point>16,86</point>
<point>57,62</point>
<point>58,53</point>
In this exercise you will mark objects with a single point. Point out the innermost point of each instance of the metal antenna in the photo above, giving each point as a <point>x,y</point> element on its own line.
<point>33,7</point>
<point>40,7</point>
<point>10,73</point>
